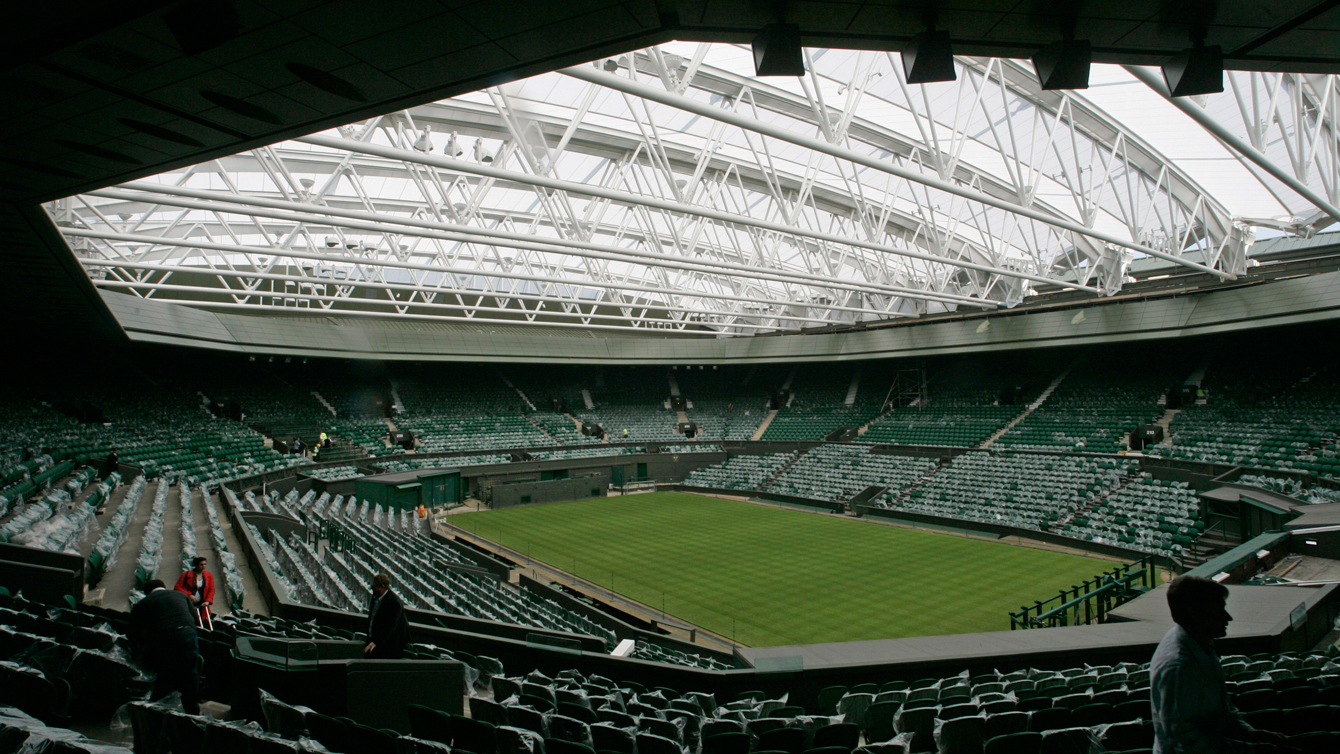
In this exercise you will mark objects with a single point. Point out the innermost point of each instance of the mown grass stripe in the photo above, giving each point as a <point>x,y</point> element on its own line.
<point>775,576</point>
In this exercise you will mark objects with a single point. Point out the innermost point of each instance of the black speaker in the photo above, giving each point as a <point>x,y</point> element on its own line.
<point>1145,435</point>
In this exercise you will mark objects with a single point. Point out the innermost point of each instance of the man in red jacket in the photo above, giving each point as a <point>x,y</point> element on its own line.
<point>198,584</point>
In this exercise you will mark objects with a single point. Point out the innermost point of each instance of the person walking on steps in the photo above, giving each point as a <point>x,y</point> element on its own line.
<point>162,639</point>
<point>388,627</point>
<point>198,585</point>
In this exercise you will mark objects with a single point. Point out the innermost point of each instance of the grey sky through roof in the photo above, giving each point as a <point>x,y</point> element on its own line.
<point>670,190</point>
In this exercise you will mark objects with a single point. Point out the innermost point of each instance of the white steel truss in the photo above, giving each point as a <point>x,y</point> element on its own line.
<point>1283,128</point>
<point>668,191</point>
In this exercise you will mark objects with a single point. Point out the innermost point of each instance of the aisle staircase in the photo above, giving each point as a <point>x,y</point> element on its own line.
<point>763,425</point>
<point>1087,508</point>
<point>320,399</point>
<point>1041,399</point>
<point>544,431</point>
<point>855,385</point>
<point>524,399</point>
<point>782,470</point>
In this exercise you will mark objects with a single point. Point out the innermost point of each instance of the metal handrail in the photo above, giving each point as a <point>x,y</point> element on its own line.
<point>1090,601</point>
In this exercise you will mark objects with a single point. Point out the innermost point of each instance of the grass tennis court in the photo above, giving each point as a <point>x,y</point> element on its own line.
<point>775,576</point>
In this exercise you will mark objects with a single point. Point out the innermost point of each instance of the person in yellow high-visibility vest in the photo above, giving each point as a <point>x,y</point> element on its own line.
<point>325,440</point>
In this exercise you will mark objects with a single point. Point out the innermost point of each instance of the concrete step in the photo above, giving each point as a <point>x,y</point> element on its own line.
<point>1030,408</point>
<point>763,425</point>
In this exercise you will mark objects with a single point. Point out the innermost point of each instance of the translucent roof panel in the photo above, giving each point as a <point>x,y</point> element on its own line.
<point>671,191</point>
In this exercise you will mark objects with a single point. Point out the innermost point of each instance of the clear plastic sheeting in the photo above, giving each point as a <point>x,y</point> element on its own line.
<point>108,546</point>
<point>519,741</point>
<point>232,578</point>
<point>285,720</point>
<point>161,727</point>
<point>28,735</point>
<point>151,550</point>
<point>70,523</point>
<point>960,734</point>
<point>368,543</point>
<point>189,548</point>
<point>99,682</point>
<point>899,744</point>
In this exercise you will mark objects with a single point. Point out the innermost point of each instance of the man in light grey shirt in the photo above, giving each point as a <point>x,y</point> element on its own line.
<point>1192,714</point>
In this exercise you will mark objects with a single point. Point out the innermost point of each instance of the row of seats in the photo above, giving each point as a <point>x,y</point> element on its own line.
<point>818,405</point>
<point>1282,418</point>
<point>335,473</point>
<point>415,464</point>
<point>475,410</point>
<point>1026,711</point>
<point>838,472</point>
<point>1147,514</point>
<point>750,473</point>
<point>1293,487</point>
<point>394,544</point>
<point>63,519</point>
<point>1022,490</point>
<point>1096,405</point>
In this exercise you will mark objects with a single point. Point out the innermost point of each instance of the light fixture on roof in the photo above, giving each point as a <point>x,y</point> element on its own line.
<point>929,58</point>
<point>332,242</point>
<point>453,148</point>
<point>611,65</point>
<point>480,154</point>
<point>1064,64</point>
<point>1194,71</point>
<point>425,142</point>
<point>777,51</point>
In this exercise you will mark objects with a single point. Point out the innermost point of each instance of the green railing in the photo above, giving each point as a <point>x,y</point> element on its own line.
<point>1090,601</point>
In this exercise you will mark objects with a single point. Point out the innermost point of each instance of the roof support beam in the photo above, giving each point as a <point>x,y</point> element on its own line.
<point>372,221</point>
<point>396,264</point>
<point>618,83</point>
<point>623,197</point>
<point>1231,140</point>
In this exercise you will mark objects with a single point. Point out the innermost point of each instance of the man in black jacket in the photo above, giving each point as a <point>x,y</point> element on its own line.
<point>388,627</point>
<point>162,637</point>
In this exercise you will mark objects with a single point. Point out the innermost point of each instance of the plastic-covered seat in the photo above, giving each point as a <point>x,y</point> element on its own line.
<point>1127,736</point>
<point>527,719</point>
<point>1005,723</point>
<point>842,735</point>
<point>960,735</point>
<point>790,740</point>
<point>609,738</point>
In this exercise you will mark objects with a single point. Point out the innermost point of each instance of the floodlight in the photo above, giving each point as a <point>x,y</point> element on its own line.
<point>929,58</point>
<point>1197,70</point>
<point>1064,64</point>
<point>424,143</point>
<point>777,51</point>
<point>453,148</point>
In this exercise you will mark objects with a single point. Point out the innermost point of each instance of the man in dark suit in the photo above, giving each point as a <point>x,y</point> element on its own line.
<point>388,627</point>
<point>162,636</point>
